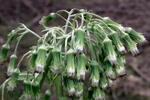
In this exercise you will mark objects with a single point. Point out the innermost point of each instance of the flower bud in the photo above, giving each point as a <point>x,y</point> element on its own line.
<point>79,89</point>
<point>11,65</point>
<point>41,58</point>
<point>79,39</point>
<point>98,94</point>
<point>81,67</point>
<point>32,60</point>
<point>95,75</point>
<point>3,52</point>
<point>109,50</point>
<point>137,37</point>
<point>109,70</point>
<point>56,62</point>
<point>116,41</point>
<point>70,67</point>
<point>103,83</point>
<point>130,44</point>
<point>70,87</point>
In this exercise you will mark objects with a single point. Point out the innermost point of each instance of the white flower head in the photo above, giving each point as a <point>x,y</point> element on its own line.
<point>104,86</point>
<point>121,28</point>
<point>99,97</point>
<point>71,91</point>
<point>134,50</point>
<point>81,75</point>
<point>121,49</point>
<point>111,74</point>
<point>112,59</point>
<point>71,71</point>
<point>79,93</point>
<point>10,72</point>
<point>95,82</point>
<point>39,67</point>
<point>121,71</point>
<point>142,40</point>
<point>79,48</point>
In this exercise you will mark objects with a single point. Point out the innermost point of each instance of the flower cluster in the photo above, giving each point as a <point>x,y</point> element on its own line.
<point>81,58</point>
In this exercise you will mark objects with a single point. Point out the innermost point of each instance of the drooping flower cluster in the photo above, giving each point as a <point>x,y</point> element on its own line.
<point>77,60</point>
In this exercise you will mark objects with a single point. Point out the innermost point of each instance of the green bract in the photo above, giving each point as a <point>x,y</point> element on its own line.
<point>81,58</point>
<point>11,66</point>
<point>79,39</point>
<point>56,62</point>
<point>70,67</point>
<point>81,68</point>
<point>41,58</point>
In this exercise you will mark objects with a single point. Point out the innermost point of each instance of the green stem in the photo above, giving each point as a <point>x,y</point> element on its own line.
<point>31,31</point>
<point>68,19</point>
<point>19,39</point>
<point>23,58</point>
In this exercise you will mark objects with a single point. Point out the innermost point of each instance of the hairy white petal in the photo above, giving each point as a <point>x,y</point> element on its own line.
<point>95,82</point>
<point>79,93</point>
<point>71,91</point>
<point>79,48</point>
<point>81,75</point>
<point>121,70</point>
<point>70,71</point>
<point>134,50</point>
<point>39,67</point>
<point>10,72</point>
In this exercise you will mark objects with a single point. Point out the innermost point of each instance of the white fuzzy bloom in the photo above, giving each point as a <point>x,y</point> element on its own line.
<point>39,67</point>
<point>95,82</point>
<point>121,28</point>
<point>142,39</point>
<point>70,71</point>
<point>111,74</point>
<point>79,48</point>
<point>134,50</point>
<point>71,91</point>
<point>10,72</point>
<point>112,58</point>
<point>104,86</point>
<point>121,49</point>
<point>79,93</point>
<point>121,70</point>
<point>81,75</point>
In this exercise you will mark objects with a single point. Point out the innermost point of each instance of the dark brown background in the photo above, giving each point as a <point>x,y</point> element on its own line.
<point>134,13</point>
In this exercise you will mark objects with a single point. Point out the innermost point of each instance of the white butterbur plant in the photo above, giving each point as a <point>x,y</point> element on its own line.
<point>81,58</point>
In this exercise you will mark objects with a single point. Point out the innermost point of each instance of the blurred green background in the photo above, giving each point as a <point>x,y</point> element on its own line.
<point>133,13</point>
